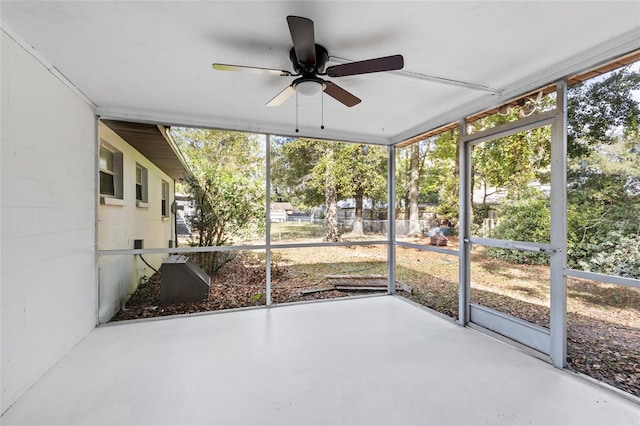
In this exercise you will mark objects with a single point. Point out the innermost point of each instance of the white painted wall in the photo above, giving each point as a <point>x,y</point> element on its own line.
<point>48,216</point>
<point>119,225</point>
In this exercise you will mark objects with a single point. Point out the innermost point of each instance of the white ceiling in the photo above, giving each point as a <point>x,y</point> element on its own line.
<point>151,61</point>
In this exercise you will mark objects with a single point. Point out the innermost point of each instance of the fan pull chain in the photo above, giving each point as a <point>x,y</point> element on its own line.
<point>297,112</point>
<point>322,110</point>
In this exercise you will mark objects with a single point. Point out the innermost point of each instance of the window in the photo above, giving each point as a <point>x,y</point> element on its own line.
<point>110,171</point>
<point>141,184</point>
<point>165,199</point>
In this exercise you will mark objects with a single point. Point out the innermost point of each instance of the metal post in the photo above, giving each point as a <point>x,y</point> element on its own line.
<point>174,211</point>
<point>96,215</point>
<point>391,219</point>
<point>268,217</point>
<point>464,221</point>
<point>558,292</point>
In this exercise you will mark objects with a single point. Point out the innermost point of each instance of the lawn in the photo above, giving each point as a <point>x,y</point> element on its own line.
<point>288,231</point>
<point>291,232</point>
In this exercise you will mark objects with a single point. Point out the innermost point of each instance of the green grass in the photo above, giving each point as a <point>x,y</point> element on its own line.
<point>295,231</point>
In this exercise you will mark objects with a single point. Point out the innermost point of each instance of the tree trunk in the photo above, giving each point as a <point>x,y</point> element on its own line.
<point>331,230</point>
<point>456,187</point>
<point>472,178</point>
<point>358,229</point>
<point>455,191</point>
<point>414,224</point>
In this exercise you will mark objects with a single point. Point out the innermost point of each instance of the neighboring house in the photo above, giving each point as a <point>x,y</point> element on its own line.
<point>139,164</point>
<point>280,211</point>
<point>184,209</point>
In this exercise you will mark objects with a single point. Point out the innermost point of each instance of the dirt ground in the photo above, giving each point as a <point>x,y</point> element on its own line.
<point>603,320</point>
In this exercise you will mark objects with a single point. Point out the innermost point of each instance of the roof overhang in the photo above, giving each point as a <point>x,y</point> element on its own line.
<point>154,142</point>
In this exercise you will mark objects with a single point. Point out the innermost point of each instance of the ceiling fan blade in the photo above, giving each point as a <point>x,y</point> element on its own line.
<point>255,70</point>
<point>339,94</point>
<point>304,42</point>
<point>282,96</point>
<point>386,63</point>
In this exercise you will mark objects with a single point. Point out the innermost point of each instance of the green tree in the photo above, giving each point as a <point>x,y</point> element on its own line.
<point>441,176</point>
<point>313,172</point>
<point>604,225</point>
<point>226,184</point>
<point>292,164</point>
<point>511,164</point>
<point>304,170</point>
<point>414,190</point>
<point>236,151</point>
<point>604,174</point>
<point>360,171</point>
<point>603,193</point>
<point>409,174</point>
<point>225,202</point>
<point>427,172</point>
<point>600,109</point>
<point>328,178</point>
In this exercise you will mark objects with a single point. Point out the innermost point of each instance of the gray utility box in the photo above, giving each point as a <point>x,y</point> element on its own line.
<point>183,281</point>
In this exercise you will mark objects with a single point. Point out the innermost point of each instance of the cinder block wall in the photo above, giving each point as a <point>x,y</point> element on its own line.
<point>48,219</point>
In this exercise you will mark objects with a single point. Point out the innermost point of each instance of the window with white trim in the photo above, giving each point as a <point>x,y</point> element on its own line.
<point>110,171</point>
<point>165,199</point>
<point>141,184</point>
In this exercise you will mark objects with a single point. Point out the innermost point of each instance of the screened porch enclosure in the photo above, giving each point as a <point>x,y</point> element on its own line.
<point>461,246</point>
<point>449,254</point>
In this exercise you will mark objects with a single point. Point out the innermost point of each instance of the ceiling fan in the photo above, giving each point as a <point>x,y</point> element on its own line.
<point>309,60</point>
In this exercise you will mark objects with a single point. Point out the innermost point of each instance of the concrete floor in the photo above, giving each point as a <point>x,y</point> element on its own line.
<point>376,360</point>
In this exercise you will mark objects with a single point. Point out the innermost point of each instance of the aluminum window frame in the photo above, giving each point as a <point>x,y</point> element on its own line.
<point>165,196</point>
<point>117,174</point>
<point>143,184</point>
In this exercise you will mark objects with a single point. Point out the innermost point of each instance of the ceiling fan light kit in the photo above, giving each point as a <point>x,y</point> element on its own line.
<point>309,86</point>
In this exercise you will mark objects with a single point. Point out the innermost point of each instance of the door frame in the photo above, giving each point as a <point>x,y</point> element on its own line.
<point>553,341</point>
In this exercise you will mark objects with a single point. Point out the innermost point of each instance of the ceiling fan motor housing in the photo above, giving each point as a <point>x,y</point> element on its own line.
<point>322,56</point>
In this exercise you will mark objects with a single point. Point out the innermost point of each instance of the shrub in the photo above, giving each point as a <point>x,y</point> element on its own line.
<point>523,220</point>
<point>617,255</point>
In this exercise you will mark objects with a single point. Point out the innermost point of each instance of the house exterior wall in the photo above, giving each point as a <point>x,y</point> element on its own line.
<point>48,216</point>
<point>122,223</point>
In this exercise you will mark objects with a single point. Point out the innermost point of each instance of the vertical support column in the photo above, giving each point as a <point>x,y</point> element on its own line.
<point>96,212</point>
<point>174,212</point>
<point>391,219</point>
<point>464,222</point>
<point>268,216</point>
<point>558,295</point>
